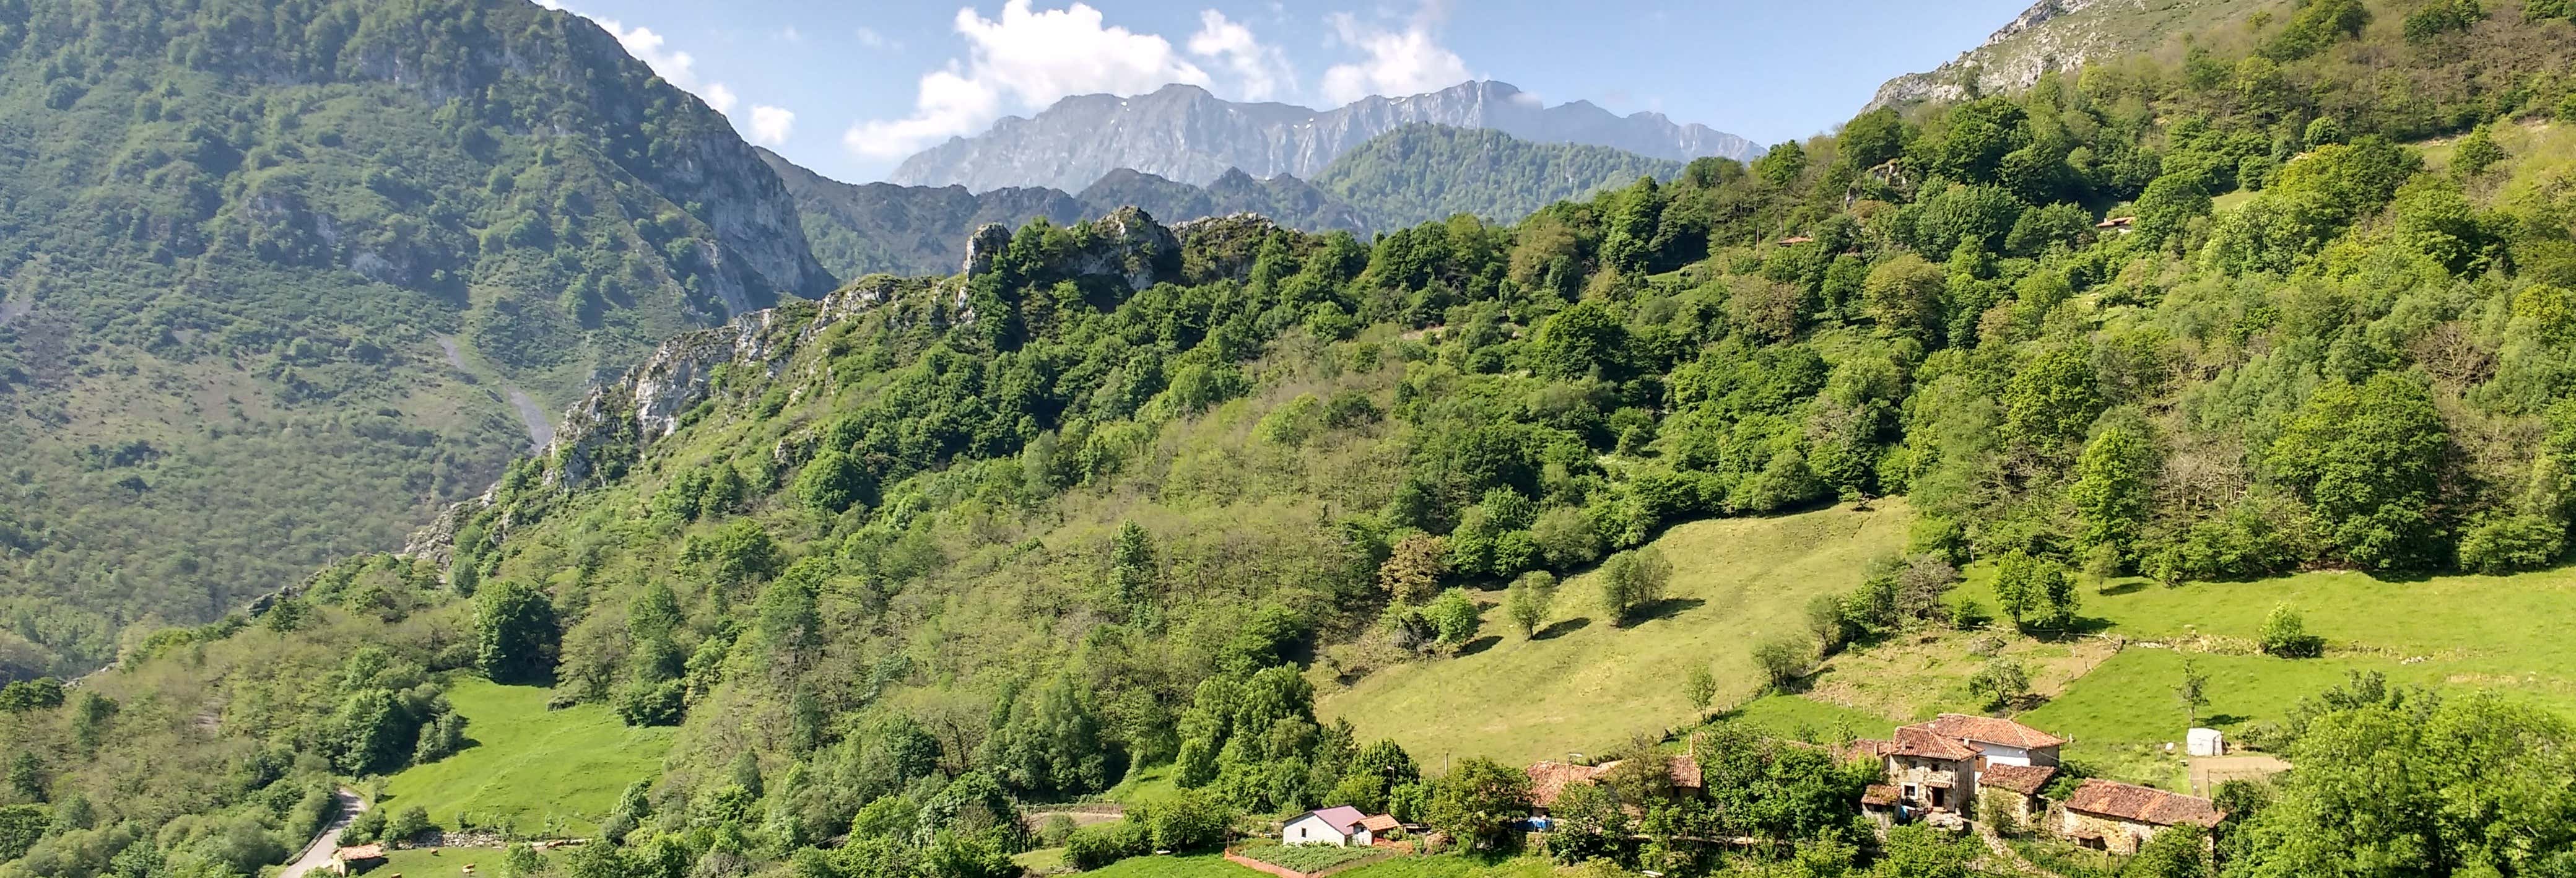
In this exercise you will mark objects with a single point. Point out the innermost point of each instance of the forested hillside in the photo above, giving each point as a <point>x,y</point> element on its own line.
<point>1405,177</point>
<point>275,272</point>
<point>1114,506</point>
<point>1420,173</point>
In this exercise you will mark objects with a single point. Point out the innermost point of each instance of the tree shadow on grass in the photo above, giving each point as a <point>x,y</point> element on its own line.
<point>2129,587</point>
<point>1663,609</point>
<point>1562,628</point>
<point>1478,645</point>
<point>2222,719</point>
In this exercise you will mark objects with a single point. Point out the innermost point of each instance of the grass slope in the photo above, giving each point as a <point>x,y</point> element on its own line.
<point>1586,683</point>
<point>555,771</point>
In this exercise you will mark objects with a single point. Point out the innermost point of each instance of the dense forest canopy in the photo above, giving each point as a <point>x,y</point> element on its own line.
<point>931,550</point>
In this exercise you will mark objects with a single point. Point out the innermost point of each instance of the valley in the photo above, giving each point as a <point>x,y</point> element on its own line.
<point>2140,448</point>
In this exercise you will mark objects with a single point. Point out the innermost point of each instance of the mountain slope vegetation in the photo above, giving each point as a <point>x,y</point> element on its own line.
<point>1408,176</point>
<point>899,562</point>
<point>239,235</point>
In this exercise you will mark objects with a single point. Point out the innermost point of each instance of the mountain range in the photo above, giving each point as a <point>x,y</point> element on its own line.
<point>1183,133</point>
<point>1407,176</point>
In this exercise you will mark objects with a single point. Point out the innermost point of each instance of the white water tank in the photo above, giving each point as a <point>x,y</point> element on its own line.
<point>2205,742</point>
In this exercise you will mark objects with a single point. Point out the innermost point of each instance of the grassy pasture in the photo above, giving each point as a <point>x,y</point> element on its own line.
<point>1585,683</point>
<point>541,771</point>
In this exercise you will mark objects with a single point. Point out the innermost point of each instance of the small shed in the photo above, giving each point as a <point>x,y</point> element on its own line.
<point>2205,742</point>
<point>1340,825</point>
<point>357,858</point>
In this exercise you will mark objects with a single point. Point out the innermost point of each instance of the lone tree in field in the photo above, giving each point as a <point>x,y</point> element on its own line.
<point>1783,660</point>
<point>1633,579</point>
<point>1700,687</point>
<point>2193,692</point>
<point>1530,600</point>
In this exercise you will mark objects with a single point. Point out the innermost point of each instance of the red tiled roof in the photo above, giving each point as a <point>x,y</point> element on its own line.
<point>1685,771</point>
<point>1548,779</point>
<point>1878,794</point>
<point>1865,748</point>
<point>1990,730</point>
<point>2138,804</point>
<point>1921,741</point>
<point>2024,779</point>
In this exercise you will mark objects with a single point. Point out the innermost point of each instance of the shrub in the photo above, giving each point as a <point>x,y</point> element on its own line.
<point>1453,617</point>
<point>2002,683</point>
<point>2506,544</point>
<point>2286,635</point>
<point>1192,820</point>
<point>1092,847</point>
<point>1783,660</point>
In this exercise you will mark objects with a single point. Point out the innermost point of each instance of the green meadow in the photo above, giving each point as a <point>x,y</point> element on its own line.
<point>1585,684</point>
<point>533,769</point>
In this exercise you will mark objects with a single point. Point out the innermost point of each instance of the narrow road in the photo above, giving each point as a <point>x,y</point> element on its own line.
<point>318,854</point>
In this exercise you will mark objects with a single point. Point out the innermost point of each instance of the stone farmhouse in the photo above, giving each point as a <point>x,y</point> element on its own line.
<point>2119,818</point>
<point>1936,772</point>
<point>1548,780</point>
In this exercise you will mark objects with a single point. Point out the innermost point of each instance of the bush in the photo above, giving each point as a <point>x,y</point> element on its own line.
<point>1092,847</point>
<point>2286,635</point>
<point>2001,683</point>
<point>407,823</point>
<point>1783,660</point>
<point>368,826</point>
<point>2512,543</point>
<point>1453,617</point>
<point>1192,820</point>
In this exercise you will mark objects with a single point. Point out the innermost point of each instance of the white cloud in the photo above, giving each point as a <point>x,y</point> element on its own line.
<point>1261,71</point>
<point>719,97</point>
<point>770,126</point>
<point>1397,62</point>
<point>1024,59</point>
<point>675,67</point>
<point>870,38</point>
<point>791,35</point>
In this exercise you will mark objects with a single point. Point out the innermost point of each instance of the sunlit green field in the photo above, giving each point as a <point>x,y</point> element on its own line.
<point>1588,684</point>
<point>542,772</point>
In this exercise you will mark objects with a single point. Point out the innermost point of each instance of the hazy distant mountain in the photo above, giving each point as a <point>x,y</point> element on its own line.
<point>1182,133</point>
<point>861,229</point>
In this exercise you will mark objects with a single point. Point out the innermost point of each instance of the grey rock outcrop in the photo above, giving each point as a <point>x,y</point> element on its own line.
<point>2050,36</point>
<point>1184,133</point>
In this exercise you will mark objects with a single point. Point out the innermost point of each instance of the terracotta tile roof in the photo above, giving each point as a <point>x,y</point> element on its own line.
<point>1548,779</point>
<point>1686,773</point>
<point>361,852</point>
<point>1865,748</point>
<point>1380,823</point>
<point>2138,804</point>
<point>1923,742</point>
<point>1990,730</point>
<point>2024,779</point>
<point>1878,794</point>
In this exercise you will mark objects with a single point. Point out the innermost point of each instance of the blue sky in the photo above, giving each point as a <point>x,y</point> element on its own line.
<point>849,88</point>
